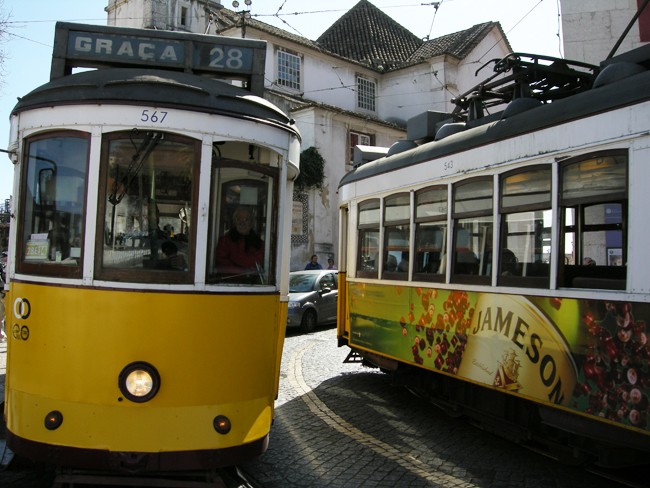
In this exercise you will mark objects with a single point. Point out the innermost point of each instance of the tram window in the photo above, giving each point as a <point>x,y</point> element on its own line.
<point>472,212</point>
<point>593,200</point>
<point>430,234</point>
<point>368,248</point>
<point>242,221</point>
<point>148,185</point>
<point>397,214</point>
<point>53,204</point>
<point>525,244</point>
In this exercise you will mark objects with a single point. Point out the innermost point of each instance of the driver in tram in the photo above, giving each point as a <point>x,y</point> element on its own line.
<point>240,250</point>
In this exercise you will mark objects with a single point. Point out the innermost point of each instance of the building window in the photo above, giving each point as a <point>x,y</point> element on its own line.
<point>183,19</point>
<point>644,23</point>
<point>366,92</point>
<point>358,139</point>
<point>288,70</point>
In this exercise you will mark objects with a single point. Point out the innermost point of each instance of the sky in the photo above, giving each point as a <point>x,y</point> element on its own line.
<point>531,26</point>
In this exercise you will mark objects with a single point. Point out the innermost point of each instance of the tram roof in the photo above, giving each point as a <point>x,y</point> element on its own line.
<point>161,88</point>
<point>494,128</point>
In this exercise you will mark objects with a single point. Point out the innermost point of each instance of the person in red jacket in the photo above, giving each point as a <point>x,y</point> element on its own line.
<point>240,251</point>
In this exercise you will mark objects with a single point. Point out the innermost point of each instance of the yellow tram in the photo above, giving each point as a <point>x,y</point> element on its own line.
<point>147,294</point>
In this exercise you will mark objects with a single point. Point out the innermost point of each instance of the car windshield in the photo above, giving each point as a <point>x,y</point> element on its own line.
<point>301,283</point>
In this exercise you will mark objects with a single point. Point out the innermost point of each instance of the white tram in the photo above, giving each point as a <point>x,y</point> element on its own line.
<point>147,292</point>
<point>498,263</point>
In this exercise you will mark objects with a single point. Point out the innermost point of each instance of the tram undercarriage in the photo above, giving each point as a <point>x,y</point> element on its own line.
<point>571,439</point>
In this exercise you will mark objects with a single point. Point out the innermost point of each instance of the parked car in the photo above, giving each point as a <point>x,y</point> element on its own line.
<point>312,298</point>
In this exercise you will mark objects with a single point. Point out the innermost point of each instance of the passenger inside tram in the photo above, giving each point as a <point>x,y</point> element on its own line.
<point>240,252</point>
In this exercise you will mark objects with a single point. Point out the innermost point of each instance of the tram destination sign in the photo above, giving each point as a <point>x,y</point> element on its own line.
<point>91,46</point>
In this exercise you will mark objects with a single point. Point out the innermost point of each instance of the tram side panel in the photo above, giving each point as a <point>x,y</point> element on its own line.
<point>568,349</point>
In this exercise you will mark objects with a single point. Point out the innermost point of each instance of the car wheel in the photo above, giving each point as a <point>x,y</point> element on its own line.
<point>308,323</point>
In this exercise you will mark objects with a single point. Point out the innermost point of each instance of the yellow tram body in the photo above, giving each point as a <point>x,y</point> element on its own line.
<point>207,367</point>
<point>147,293</point>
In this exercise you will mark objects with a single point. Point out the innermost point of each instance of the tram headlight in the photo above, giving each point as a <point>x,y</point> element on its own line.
<point>139,382</point>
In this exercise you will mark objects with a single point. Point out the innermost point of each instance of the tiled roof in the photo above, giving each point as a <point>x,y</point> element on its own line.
<point>366,34</point>
<point>458,44</point>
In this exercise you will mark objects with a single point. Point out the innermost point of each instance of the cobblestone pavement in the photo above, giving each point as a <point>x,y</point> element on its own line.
<point>342,425</point>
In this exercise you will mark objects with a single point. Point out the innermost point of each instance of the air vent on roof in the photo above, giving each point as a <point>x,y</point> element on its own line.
<point>617,71</point>
<point>449,129</point>
<point>519,105</point>
<point>365,154</point>
<point>401,146</point>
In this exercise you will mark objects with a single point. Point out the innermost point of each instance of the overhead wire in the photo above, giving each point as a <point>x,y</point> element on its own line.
<point>506,33</point>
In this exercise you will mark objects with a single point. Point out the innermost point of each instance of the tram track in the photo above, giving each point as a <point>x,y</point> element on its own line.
<point>628,477</point>
<point>322,411</point>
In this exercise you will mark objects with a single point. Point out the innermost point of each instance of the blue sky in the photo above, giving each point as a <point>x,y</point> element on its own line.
<point>530,25</point>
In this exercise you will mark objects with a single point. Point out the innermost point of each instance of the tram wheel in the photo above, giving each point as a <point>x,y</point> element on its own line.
<point>308,323</point>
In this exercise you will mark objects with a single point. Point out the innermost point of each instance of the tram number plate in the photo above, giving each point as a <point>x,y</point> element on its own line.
<point>153,116</point>
<point>36,250</point>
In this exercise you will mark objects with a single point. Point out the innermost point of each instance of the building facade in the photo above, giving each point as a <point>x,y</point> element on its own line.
<point>591,29</point>
<point>357,84</point>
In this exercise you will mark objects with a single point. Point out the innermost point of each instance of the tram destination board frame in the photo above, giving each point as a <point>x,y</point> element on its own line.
<point>96,46</point>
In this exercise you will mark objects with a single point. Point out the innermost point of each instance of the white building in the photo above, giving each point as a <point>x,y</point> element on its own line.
<point>357,84</point>
<point>591,29</point>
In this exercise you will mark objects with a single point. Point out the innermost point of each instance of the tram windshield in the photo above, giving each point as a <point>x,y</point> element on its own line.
<point>148,184</point>
<point>243,215</point>
<point>54,187</point>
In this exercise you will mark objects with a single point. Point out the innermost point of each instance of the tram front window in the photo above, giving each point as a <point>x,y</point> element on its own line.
<point>243,215</point>
<point>145,233</point>
<point>53,204</point>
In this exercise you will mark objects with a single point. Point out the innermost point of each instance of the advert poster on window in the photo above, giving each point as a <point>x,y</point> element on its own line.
<point>586,355</point>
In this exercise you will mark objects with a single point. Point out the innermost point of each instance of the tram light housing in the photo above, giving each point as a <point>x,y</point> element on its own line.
<point>53,420</point>
<point>139,382</point>
<point>222,424</point>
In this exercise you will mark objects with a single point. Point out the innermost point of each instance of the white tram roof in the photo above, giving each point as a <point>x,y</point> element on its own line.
<point>161,88</point>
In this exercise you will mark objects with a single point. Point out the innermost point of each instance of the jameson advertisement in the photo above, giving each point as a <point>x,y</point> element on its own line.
<point>587,355</point>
